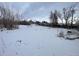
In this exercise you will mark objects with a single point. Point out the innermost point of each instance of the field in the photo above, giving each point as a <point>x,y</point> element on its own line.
<point>36,41</point>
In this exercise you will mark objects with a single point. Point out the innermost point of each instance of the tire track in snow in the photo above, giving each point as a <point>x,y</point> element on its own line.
<point>3,46</point>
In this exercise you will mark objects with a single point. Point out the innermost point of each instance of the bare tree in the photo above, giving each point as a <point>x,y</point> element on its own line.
<point>51,17</point>
<point>72,13</point>
<point>7,17</point>
<point>67,15</point>
<point>69,12</point>
<point>54,17</point>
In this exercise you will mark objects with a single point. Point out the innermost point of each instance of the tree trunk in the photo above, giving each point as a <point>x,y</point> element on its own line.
<point>72,21</point>
<point>66,22</point>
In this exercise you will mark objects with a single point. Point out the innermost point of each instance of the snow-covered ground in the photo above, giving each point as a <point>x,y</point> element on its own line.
<point>36,41</point>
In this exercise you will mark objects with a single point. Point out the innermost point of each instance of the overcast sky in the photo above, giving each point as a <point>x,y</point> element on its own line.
<point>37,10</point>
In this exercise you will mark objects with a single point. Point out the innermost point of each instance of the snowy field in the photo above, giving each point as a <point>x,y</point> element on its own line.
<point>36,41</point>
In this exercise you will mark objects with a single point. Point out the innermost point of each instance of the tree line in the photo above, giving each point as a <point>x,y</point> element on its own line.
<point>67,13</point>
<point>10,20</point>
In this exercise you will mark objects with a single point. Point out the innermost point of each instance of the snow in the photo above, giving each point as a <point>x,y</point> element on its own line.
<point>36,41</point>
